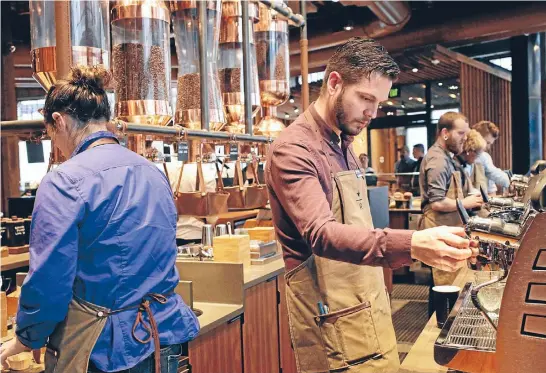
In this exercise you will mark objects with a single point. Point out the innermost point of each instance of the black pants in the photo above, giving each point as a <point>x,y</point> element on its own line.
<point>169,362</point>
<point>182,242</point>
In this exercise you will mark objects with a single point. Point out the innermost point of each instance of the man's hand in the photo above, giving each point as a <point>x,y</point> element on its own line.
<point>14,347</point>
<point>472,201</point>
<point>442,247</point>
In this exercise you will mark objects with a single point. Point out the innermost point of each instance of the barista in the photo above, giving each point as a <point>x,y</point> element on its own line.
<point>441,183</point>
<point>490,132</point>
<point>332,254</point>
<point>100,291</point>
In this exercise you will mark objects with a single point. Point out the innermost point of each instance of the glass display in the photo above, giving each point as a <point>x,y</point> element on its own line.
<point>230,64</point>
<point>90,37</point>
<point>186,35</point>
<point>271,35</point>
<point>141,61</point>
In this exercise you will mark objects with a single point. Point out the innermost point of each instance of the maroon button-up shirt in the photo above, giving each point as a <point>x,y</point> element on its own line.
<point>298,175</point>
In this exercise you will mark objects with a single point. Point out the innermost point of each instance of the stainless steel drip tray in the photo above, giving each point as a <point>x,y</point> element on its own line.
<point>467,341</point>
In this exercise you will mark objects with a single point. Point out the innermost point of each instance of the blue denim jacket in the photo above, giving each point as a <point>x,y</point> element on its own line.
<point>103,229</point>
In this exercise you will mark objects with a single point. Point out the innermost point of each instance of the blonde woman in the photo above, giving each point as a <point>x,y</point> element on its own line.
<point>474,171</point>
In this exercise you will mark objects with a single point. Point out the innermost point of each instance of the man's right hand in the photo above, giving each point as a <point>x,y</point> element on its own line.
<point>444,248</point>
<point>472,201</point>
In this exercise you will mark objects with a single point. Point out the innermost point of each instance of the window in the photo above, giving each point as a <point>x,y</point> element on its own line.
<point>504,62</point>
<point>28,109</point>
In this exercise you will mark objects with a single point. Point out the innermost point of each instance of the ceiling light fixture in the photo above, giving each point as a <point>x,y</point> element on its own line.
<point>411,98</point>
<point>296,110</point>
<point>403,106</point>
<point>452,95</point>
<point>415,69</point>
<point>419,99</point>
<point>291,100</point>
<point>349,26</point>
<point>432,106</point>
<point>390,103</point>
<point>453,87</point>
<point>286,115</point>
<point>440,84</point>
<point>435,61</point>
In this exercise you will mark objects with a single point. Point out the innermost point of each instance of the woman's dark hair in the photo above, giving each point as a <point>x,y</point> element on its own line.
<point>81,95</point>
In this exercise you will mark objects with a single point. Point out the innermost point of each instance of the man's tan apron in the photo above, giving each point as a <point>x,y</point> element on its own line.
<point>431,219</point>
<point>69,347</point>
<point>355,334</point>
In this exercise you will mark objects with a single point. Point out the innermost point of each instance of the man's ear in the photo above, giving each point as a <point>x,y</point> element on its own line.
<point>334,82</point>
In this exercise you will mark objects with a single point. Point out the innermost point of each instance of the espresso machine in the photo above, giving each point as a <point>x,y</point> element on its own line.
<point>513,339</point>
<point>519,184</point>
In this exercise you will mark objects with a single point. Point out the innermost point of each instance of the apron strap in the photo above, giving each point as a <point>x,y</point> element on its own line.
<point>151,329</point>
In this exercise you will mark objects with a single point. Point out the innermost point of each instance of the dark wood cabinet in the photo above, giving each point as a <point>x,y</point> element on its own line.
<point>288,359</point>
<point>260,329</point>
<point>218,350</point>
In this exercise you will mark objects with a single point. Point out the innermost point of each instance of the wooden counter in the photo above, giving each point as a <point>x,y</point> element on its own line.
<point>256,274</point>
<point>236,216</point>
<point>216,314</point>
<point>14,261</point>
<point>420,359</point>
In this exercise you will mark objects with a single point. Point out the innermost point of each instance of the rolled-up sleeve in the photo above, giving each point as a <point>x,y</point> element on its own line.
<point>295,184</point>
<point>437,178</point>
<point>47,290</point>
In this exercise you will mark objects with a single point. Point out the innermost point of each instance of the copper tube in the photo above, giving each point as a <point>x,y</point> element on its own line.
<point>62,35</point>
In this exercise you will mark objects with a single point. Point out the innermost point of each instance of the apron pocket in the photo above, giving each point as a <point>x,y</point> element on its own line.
<point>349,336</point>
<point>51,358</point>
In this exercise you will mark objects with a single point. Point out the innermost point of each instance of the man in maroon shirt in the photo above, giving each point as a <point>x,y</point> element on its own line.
<point>331,251</point>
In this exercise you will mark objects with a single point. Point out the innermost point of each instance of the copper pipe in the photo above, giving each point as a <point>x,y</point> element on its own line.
<point>246,68</point>
<point>62,35</point>
<point>203,65</point>
<point>392,16</point>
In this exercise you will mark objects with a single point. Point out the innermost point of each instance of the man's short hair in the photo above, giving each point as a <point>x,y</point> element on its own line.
<point>485,128</point>
<point>447,120</point>
<point>359,58</point>
<point>421,147</point>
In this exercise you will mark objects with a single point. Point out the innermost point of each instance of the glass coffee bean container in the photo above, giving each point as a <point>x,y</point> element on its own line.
<point>186,27</point>
<point>230,64</point>
<point>89,35</point>
<point>141,60</point>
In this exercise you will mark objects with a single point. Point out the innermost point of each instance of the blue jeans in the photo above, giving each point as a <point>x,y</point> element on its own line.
<point>169,362</point>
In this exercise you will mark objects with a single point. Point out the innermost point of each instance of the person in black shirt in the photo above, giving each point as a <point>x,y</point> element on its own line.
<point>418,154</point>
<point>404,165</point>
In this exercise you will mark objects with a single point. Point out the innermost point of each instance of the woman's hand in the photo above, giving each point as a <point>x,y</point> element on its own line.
<point>14,347</point>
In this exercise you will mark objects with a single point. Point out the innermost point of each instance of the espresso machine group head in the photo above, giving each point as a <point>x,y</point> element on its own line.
<point>515,340</point>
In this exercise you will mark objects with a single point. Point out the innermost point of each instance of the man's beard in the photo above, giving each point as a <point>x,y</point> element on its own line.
<point>453,146</point>
<point>341,117</point>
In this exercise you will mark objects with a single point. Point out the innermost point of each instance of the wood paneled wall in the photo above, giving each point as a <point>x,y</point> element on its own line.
<point>485,96</point>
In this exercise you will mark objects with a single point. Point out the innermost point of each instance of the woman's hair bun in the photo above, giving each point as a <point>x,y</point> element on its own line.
<point>95,78</point>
